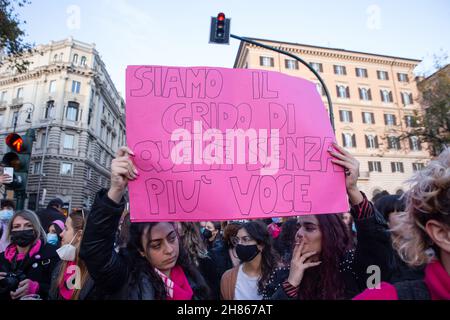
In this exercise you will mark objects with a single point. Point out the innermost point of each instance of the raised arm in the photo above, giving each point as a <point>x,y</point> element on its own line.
<point>108,269</point>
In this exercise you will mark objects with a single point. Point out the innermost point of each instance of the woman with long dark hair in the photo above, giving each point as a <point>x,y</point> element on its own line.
<point>254,248</point>
<point>324,263</point>
<point>154,265</point>
<point>285,242</point>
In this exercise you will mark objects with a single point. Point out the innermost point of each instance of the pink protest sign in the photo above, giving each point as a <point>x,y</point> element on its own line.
<point>228,144</point>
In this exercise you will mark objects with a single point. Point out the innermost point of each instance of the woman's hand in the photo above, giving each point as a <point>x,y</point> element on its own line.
<point>299,264</point>
<point>22,290</point>
<point>122,170</point>
<point>351,166</point>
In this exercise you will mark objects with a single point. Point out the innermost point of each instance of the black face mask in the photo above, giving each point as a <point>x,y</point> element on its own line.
<point>207,234</point>
<point>246,253</point>
<point>23,238</point>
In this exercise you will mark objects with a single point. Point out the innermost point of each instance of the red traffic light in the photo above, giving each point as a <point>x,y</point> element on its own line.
<point>15,142</point>
<point>221,17</point>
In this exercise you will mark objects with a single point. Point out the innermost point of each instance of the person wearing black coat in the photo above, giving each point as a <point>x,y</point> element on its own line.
<point>129,274</point>
<point>28,262</point>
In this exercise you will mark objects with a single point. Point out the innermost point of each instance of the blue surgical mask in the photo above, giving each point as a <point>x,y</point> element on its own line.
<point>6,215</point>
<point>52,238</point>
<point>276,219</point>
<point>202,229</point>
<point>354,227</point>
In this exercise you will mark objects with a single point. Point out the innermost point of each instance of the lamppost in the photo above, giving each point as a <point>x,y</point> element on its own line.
<point>44,153</point>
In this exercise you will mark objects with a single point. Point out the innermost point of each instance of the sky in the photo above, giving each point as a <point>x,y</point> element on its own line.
<point>176,32</point>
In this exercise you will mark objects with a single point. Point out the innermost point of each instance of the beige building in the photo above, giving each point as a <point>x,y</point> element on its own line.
<point>373,96</point>
<point>78,115</point>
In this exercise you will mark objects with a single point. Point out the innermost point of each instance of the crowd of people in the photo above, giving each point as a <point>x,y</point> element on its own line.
<point>403,242</point>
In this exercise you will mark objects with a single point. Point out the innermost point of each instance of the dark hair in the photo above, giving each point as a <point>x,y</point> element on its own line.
<point>285,242</point>
<point>269,257</point>
<point>8,203</point>
<point>326,281</point>
<point>217,225</point>
<point>389,204</point>
<point>141,264</point>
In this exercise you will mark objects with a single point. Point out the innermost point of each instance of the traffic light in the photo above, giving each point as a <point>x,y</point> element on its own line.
<point>220,29</point>
<point>19,157</point>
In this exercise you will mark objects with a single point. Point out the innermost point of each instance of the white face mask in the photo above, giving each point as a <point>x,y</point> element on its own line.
<point>67,252</point>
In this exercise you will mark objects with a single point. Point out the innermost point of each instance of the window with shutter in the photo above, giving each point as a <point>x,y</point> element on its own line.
<point>351,116</point>
<point>370,166</point>
<point>391,99</point>
<point>393,166</point>
<point>354,141</point>
<point>376,142</point>
<point>347,92</point>
<point>373,118</point>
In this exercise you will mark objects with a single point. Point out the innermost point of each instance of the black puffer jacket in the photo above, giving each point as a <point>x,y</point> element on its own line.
<point>112,271</point>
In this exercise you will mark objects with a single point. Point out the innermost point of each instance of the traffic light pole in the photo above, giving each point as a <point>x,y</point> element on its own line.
<point>330,105</point>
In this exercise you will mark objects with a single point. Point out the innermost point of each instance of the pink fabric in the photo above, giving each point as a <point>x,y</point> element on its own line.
<point>438,281</point>
<point>33,287</point>
<point>11,251</point>
<point>59,223</point>
<point>65,292</point>
<point>177,286</point>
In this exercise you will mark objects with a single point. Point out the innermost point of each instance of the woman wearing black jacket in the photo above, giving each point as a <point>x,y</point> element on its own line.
<point>324,263</point>
<point>152,266</point>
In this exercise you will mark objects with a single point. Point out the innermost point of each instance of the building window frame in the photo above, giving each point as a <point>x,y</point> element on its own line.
<point>66,169</point>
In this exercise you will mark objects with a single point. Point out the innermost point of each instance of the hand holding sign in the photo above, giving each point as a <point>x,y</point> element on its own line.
<point>351,165</point>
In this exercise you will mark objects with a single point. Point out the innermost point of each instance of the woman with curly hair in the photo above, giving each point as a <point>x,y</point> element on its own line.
<point>423,226</point>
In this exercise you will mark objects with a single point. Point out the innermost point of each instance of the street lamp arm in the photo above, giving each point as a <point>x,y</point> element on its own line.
<point>330,106</point>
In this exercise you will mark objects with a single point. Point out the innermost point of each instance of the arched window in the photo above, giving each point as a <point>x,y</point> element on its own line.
<point>55,58</point>
<point>75,58</point>
<point>61,56</point>
<point>83,61</point>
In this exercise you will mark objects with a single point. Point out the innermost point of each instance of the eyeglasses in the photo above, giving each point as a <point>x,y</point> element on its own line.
<point>244,240</point>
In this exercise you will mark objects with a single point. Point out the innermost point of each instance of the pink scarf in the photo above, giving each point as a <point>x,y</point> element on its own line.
<point>438,281</point>
<point>177,286</point>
